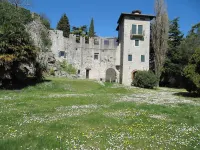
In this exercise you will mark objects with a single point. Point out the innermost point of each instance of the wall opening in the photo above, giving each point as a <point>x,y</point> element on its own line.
<point>110,75</point>
<point>133,74</point>
<point>87,73</point>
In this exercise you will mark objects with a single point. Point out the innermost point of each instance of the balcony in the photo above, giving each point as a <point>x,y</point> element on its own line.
<point>137,35</point>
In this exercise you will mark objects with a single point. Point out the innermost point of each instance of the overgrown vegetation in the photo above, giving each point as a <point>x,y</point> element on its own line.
<point>67,67</point>
<point>145,79</point>
<point>17,52</point>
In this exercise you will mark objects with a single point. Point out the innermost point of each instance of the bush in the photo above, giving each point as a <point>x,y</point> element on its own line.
<point>145,79</point>
<point>192,72</point>
<point>67,67</point>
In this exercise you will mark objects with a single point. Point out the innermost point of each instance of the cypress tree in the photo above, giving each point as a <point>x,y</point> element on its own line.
<point>91,30</point>
<point>64,25</point>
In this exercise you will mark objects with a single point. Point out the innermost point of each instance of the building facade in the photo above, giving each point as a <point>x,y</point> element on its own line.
<point>108,59</point>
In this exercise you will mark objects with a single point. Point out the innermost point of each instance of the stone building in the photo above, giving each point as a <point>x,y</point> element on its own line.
<point>109,59</point>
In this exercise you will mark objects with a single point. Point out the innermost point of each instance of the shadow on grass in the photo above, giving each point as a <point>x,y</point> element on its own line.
<point>19,85</point>
<point>187,94</point>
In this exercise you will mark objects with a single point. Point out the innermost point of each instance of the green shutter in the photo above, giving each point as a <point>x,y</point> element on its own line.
<point>142,58</point>
<point>134,28</point>
<point>140,29</point>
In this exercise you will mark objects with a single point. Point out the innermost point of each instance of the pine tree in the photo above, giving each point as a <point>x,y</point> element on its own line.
<point>64,25</point>
<point>91,30</point>
<point>172,73</point>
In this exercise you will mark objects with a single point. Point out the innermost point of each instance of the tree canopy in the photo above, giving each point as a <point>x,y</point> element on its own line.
<point>64,25</point>
<point>91,29</point>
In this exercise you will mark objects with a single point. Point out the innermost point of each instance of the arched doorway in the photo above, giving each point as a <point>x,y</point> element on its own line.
<point>133,74</point>
<point>110,75</point>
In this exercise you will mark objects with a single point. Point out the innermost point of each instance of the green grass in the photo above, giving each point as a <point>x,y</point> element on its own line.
<point>83,114</point>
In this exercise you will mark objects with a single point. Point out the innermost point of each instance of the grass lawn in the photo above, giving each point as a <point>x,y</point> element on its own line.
<point>80,114</point>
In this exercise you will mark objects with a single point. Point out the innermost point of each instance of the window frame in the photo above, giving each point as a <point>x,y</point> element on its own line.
<point>138,43</point>
<point>96,54</point>
<point>142,58</point>
<point>130,57</point>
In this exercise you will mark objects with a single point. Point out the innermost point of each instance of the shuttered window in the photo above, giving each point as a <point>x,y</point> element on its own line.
<point>129,57</point>
<point>134,29</point>
<point>137,42</point>
<point>142,58</point>
<point>140,29</point>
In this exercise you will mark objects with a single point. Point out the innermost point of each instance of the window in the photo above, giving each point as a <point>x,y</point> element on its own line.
<point>134,28</point>
<point>62,54</point>
<point>96,42</point>
<point>79,71</point>
<point>142,58</point>
<point>106,42</point>
<point>137,42</point>
<point>137,29</point>
<point>129,57</point>
<point>140,29</point>
<point>96,56</point>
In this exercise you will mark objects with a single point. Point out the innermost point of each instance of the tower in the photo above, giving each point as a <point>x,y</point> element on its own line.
<point>134,41</point>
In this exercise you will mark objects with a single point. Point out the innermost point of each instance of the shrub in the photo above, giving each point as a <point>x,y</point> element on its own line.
<point>192,72</point>
<point>67,67</point>
<point>145,79</point>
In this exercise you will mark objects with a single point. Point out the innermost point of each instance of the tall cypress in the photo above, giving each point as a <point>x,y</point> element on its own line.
<point>91,30</point>
<point>64,25</point>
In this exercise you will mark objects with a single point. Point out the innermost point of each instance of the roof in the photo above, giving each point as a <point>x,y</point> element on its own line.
<point>134,15</point>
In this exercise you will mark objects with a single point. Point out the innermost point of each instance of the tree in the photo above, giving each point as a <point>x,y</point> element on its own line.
<point>81,31</point>
<point>91,30</point>
<point>160,28</point>
<point>17,51</point>
<point>64,25</point>
<point>192,72</point>
<point>172,71</point>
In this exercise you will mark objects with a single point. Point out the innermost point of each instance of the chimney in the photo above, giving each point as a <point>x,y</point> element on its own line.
<point>136,12</point>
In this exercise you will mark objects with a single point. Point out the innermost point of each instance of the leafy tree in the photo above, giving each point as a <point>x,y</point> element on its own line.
<point>81,31</point>
<point>192,72</point>
<point>17,51</point>
<point>91,30</point>
<point>172,71</point>
<point>64,25</point>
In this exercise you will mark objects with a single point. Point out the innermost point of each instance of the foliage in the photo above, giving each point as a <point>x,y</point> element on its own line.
<point>64,25</point>
<point>17,52</point>
<point>160,27</point>
<point>8,11</point>
<point>81,31</point>
<point>145,79</point>
<point>91,29</point>
<point>45,21</point>
<point>172,71</point>
<point>67,67</point>
<point>52,72</point>
<point>192,72</point>
<point>46,41</point>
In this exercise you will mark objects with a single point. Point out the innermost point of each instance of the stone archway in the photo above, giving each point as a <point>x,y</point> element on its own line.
<point>110,75</point>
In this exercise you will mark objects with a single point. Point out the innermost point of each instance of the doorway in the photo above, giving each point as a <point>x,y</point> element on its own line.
<point>87,73</point>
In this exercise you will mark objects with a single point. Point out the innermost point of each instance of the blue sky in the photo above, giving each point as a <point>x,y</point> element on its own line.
<point>107,12</point>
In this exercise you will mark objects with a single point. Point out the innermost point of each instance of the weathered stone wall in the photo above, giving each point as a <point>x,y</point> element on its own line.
<point>81,55</point>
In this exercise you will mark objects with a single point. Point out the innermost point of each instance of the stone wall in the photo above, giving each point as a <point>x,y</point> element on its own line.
<point>82,55</point>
